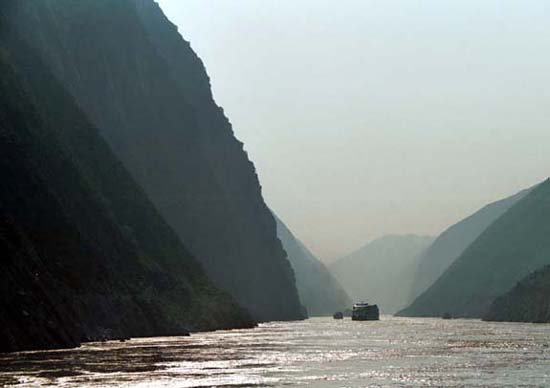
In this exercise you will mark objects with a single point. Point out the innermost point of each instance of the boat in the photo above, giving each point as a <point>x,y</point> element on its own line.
<point>338,315</point>
<point>365,312</point>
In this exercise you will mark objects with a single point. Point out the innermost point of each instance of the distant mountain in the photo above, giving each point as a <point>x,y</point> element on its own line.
<point>382,271</point>
<point>528,301</point>
<point>512,247</point>
<point>319,291</point>
<point>84,254</point>
<point>453,241</point>
<point>148,93</point>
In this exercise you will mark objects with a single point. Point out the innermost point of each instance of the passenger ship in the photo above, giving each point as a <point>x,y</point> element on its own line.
<point>365,312</point>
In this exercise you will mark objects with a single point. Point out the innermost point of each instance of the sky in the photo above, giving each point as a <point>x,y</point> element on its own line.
<point>366,118</point>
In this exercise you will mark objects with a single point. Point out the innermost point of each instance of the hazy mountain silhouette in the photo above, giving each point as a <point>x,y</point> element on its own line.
<point>319,290</point>
<point>149,95</point>
<point>453,241</point>
<point>85,255</point>
<point>512,247</point>
<point>382,271</point>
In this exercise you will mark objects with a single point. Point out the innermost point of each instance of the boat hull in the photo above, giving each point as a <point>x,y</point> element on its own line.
<point>366,313</point>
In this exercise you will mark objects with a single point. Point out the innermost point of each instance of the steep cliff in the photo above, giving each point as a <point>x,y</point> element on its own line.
<point>381,271</point>
<point>149,95</point>
<point>515,245</point>
<point>319,290</point>
<point>528,301</point>
<point>453,241</point>
<point>84,253</point>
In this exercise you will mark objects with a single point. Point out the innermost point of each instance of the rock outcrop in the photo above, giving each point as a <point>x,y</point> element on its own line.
<point>319,291</point>
<point>149,95</point>
<point>512,247</point>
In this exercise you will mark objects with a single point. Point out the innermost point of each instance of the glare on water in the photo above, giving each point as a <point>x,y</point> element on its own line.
<point>319,352</point>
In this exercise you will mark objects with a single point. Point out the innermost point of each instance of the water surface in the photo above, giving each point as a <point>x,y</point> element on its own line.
<point>319,352</point>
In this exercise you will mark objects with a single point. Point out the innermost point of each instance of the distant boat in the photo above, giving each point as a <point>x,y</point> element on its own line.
<point>338,315</point>
<point>365,312</point>
<point>447,315</point>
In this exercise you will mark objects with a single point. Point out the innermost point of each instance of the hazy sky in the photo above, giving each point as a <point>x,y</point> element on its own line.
<point>366,118</point>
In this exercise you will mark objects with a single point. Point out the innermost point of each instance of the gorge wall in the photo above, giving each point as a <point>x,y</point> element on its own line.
<point>85,255</point>
<point>148,94</point>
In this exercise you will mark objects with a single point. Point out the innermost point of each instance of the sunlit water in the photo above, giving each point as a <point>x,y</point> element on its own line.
<point>319,352</point>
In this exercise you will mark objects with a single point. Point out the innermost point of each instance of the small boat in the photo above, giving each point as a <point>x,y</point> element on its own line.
<point>365,312</point>
<point>338,315</point>
<point>447,315</point>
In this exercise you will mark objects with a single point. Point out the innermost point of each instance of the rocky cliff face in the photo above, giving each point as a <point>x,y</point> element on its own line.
<point>319,291</point>
<point>148,94</point>
<point>85,255</point>
<point>382,271</point>
<point>528,301</point>
<point>515,245</point>
<point>453,241</point>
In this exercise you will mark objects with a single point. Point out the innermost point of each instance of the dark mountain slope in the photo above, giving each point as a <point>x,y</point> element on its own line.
<point>513,246</point>
<point>528,301</point>
<point>453,241</point>
<point>319,291</point>
<point>382,271</point>
<point>84,253</point>
<point>148,94</point>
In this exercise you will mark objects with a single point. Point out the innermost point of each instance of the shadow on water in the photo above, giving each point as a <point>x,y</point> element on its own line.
<point>130,361</point>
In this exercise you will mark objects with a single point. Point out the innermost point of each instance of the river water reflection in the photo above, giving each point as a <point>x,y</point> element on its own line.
<point>319,352</point>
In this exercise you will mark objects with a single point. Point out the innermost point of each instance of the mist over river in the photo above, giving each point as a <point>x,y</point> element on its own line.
<point>318,352</point>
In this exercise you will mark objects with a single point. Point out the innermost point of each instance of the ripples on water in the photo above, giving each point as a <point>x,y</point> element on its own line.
<point>319,352</point>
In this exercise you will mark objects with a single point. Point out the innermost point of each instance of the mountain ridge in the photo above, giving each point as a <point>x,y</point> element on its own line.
<point>513,246</point>
<point>448,246</point>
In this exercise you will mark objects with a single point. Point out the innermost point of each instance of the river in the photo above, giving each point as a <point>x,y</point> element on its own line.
<point>318,352</point>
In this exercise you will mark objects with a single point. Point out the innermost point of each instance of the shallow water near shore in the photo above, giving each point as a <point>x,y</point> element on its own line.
<point>318,352</point>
